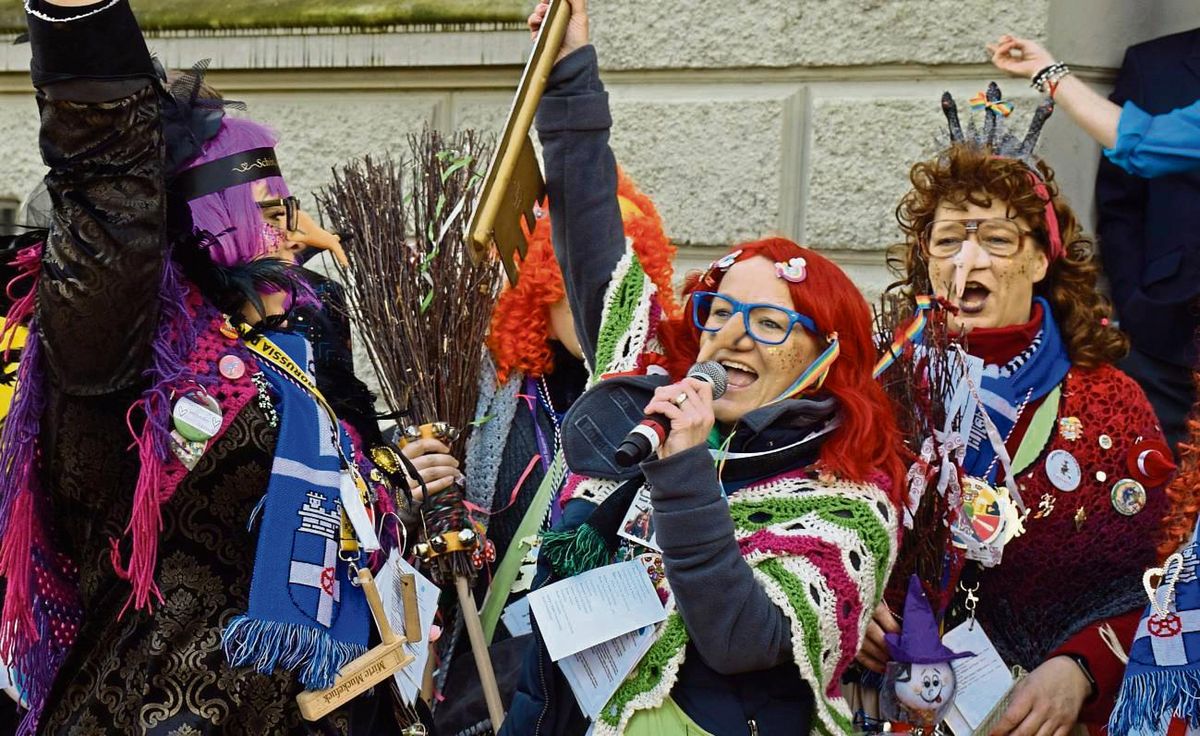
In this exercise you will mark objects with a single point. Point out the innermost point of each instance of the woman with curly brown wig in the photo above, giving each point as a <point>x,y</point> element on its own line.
<point>1052,510</point>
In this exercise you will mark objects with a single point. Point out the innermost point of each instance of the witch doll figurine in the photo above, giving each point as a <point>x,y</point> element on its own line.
<point>919,685</point>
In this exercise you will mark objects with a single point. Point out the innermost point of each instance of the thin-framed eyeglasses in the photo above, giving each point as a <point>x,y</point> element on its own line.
<point>291,210</point>
<point>999,236</point>
<point>765,323</point>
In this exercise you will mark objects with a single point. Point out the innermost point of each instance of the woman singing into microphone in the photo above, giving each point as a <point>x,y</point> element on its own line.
<point>774,505</point>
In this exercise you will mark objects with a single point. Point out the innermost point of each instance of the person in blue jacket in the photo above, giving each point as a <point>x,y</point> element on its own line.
<point>1147,189</point>
<point>1140,143</point>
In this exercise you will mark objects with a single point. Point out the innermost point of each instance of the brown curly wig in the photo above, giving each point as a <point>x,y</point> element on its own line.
<point>969,174</point>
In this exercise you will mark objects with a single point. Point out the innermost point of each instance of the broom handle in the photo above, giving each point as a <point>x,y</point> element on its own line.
<point>536,76</point>
<point>483,662</point>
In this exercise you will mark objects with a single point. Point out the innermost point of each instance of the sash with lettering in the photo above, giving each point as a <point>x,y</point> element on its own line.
<point>304,616</point>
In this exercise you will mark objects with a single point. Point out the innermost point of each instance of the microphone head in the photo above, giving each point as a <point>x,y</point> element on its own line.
<point>714,374</point>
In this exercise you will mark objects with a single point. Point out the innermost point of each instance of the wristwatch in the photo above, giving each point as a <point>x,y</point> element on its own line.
<point>1082,661</point>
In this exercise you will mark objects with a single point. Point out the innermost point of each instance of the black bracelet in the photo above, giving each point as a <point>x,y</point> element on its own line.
<point>1082,661</point>
<point>1049,74</point>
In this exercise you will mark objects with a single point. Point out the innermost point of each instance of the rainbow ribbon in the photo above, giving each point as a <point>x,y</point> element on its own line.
<point>816,372</point>
<point>911,333</point>
<point>980,101</point>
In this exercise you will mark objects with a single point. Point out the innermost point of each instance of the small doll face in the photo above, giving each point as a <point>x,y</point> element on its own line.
<point>990,290</point>
<point>928,688</point>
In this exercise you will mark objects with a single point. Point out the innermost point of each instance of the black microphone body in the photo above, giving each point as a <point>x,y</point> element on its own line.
<point>649,434</point>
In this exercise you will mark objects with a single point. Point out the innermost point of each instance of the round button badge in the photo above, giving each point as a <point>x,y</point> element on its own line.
<point>232,367</point>
<point>197,416</point>
<point>1128,496</point>
<point>1063,470</point>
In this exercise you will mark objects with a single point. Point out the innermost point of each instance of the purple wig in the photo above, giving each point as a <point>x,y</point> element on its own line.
<point>232,215</point>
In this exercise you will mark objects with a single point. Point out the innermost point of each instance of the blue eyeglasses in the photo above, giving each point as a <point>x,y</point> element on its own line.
<point>765,323</point>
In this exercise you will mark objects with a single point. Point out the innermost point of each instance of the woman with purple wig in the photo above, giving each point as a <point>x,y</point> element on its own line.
<point>182,511</point>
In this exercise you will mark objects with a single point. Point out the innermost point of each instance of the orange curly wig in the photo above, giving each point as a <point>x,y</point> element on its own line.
<point>520,331</point>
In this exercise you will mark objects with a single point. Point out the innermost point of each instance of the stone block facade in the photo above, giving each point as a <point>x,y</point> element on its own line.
<point>798,117</point>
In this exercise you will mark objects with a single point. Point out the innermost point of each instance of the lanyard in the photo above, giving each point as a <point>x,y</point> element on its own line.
<point>357,525</point>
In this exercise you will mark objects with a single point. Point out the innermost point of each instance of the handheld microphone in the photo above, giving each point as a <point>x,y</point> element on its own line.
<point>645,439</point>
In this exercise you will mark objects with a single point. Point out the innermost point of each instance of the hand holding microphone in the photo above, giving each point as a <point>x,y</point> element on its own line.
<point>678,418</point>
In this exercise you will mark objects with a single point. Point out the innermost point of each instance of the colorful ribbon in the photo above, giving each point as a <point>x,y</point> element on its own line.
<point>816,372</point>
<point>911,333</point>
<point>980,102</point>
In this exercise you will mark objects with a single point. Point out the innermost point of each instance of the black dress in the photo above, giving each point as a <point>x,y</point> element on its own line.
<point>162,672</point>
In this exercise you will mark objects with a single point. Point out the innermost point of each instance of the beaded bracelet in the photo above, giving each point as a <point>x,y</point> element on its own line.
<point>50,19</point>
<point>1049,77</point>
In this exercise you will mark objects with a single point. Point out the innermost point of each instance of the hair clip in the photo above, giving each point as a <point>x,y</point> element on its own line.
<point>795,270</point>
<point>726,261</point>
<point>721,264</point>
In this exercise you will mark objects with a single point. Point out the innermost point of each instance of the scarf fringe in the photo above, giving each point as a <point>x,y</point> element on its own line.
<point>306,650</point>
<point>35,672</point>
<point>173,342</point>
<point>1149,700</point>
<point>18,523</point>
<point>28,264</point>
<point>572,552</point>
<point>17,627</point>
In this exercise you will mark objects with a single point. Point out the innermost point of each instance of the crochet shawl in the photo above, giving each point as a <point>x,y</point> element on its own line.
<point>822,549</point>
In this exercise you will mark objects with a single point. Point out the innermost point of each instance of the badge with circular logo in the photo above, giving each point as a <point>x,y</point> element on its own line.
<point>1128,496</point>
<point>1063,470</point>
<point>197,416</point>
<point>232,367</point>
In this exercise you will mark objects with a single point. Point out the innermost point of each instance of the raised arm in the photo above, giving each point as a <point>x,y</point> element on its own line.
<point>573,123</point>
<point>739,628</point>
<point>1141,144</point>
<point>101,139</point>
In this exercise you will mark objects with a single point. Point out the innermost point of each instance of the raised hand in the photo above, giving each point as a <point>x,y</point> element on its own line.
<point>577,28</point>
<point>1029,59</point>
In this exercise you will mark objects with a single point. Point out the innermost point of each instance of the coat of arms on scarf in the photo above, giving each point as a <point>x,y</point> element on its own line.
<point>1163,675</point>
<point>313,581</point>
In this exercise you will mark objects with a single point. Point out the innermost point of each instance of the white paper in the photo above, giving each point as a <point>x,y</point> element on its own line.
<point>595,674</point>
<point>638,524</point>
<point>388,582</point>
<point>594,607</point>
<point>516,618</point>
<point>982,680</point>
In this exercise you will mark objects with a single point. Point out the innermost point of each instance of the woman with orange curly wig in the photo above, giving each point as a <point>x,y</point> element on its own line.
<point>538,369</point>
<point>1054,506</point>
<point>773,492</point>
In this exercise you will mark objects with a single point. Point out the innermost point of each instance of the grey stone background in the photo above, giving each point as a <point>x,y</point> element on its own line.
<point>800,117</point>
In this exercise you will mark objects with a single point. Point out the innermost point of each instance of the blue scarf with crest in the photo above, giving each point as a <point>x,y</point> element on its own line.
<point>304,615</point>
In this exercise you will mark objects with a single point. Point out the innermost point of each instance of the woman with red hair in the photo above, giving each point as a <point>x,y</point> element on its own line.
<point>773,504</point>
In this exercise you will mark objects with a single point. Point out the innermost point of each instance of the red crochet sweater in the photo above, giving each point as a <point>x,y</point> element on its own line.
<point>1062,582</point>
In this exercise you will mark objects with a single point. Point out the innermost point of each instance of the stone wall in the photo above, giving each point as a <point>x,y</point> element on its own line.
<point>792,116</point>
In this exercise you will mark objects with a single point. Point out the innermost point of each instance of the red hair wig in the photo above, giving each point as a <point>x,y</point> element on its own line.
<point>520,332</point>
<point>867,442</point>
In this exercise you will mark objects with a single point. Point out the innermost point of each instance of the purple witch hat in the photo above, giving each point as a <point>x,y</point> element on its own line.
<point>919,642</point>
